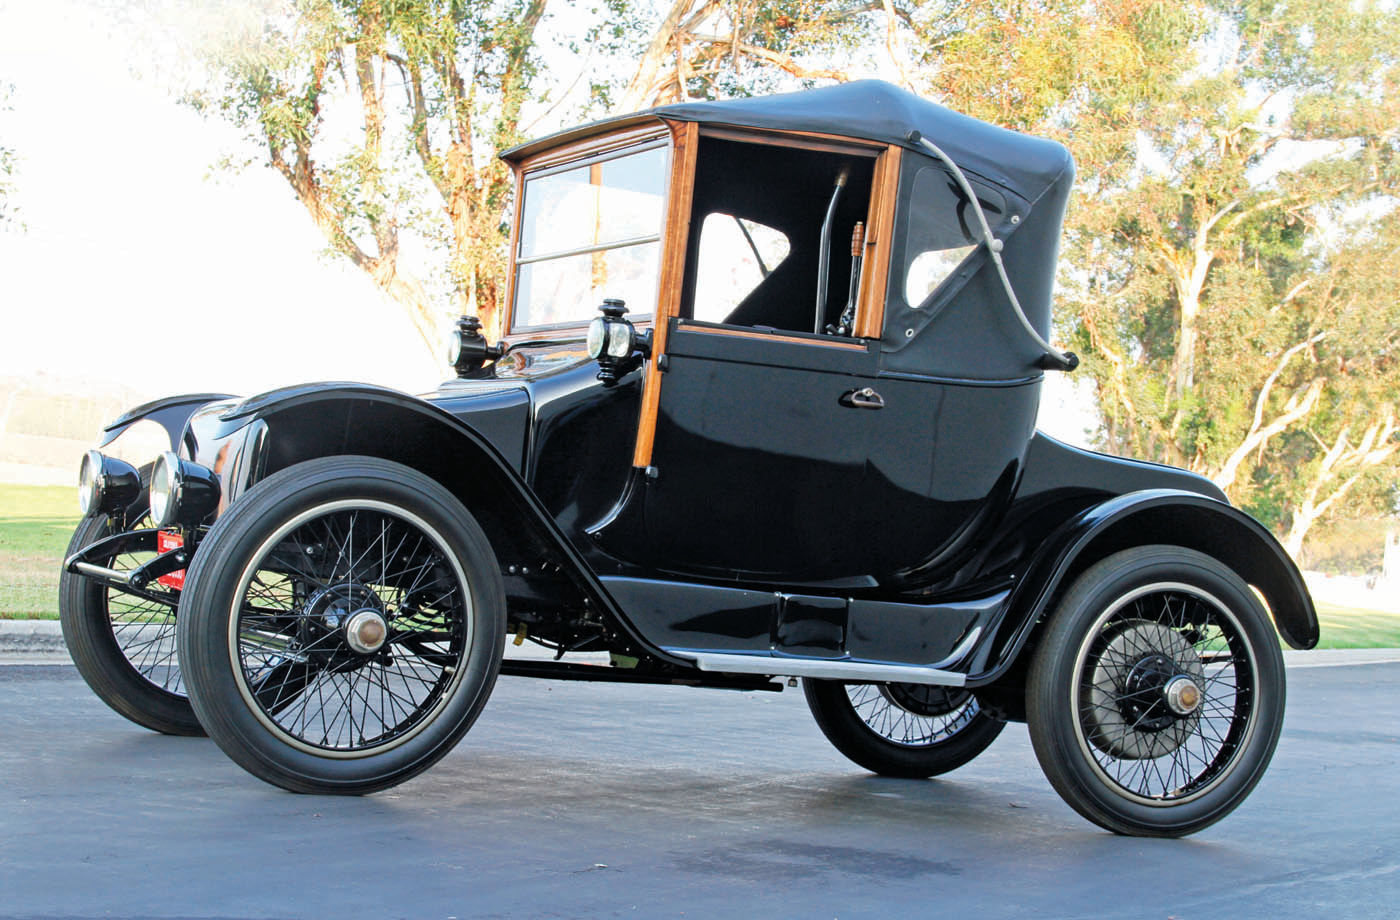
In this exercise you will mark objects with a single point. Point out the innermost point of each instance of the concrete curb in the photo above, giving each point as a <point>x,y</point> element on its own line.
<point>32,639</point>
<point>41,642</point>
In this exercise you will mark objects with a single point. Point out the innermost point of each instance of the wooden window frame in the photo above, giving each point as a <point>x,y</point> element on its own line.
<point>548,161</point>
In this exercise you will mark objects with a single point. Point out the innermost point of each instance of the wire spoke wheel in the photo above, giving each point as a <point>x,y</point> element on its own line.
<point>124,642</point>
<point>1158,634</point>
<point>351,629</point>
<point>1155,698</point>
<point>912,715</point>
<point>906,730</point>
<point>144,629</point>
<point>343,626</point>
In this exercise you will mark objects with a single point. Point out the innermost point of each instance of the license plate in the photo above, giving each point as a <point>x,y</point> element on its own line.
<point>165,542</point>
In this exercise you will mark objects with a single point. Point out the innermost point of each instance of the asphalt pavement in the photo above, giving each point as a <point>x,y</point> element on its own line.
<point>591,800</point>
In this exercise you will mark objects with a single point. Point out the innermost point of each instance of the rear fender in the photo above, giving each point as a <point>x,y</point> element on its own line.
<point>1136,519</point>
<point>308,423</point>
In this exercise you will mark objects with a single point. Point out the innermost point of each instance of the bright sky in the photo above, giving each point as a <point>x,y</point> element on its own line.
<point>140,267</point>
<point>143,267</point>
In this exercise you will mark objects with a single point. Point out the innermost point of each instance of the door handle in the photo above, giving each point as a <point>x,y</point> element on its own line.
<point>864,398</point>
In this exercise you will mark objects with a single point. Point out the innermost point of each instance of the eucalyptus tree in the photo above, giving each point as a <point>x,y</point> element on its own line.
<point>1228,266</point>
<point>384,117</point>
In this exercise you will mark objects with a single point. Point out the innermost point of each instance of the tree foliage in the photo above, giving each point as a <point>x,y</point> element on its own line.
<point>1231,289</point>
<point>1228,257</point>
<point>1228,261</point>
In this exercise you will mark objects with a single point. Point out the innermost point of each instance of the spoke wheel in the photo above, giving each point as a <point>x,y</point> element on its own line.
<point>1155,699</point>
<point>905,730</point>
<point>350,627</point>
<point>123,644</point>
<point>292,631</point>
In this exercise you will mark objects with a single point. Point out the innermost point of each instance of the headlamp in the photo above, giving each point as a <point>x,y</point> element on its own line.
<point>106,484</point>
<point>181,492</point>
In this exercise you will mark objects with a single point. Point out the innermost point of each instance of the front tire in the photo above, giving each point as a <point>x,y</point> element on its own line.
<point>912,731</point>
<point>1155,698</point>
<point>343,626</point>
<point>122,644</point>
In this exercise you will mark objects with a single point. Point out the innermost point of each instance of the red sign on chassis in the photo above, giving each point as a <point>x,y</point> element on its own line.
<point>165,542</point>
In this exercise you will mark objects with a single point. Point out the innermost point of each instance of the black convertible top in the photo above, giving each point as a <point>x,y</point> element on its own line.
<point>870,110</point>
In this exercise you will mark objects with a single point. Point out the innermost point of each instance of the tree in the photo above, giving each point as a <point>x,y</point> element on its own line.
<point>1227,291</point>
<point>1227,255</point>
<point>437,88</point>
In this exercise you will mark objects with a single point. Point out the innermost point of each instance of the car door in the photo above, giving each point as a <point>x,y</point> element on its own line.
<point>761,445</point>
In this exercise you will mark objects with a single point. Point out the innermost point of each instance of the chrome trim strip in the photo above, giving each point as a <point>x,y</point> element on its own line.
<point>830,669</point>
<point>838,669</point>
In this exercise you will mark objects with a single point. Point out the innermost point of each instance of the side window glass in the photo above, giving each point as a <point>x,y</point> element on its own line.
<point>735,256</point>
<point>588,232</point>
<point>943,231</point>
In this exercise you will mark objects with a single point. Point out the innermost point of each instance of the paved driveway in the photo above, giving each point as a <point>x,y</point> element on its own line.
<point>592,800</point>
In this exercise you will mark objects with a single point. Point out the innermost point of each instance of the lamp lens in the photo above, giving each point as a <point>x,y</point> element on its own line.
<point>597,332</point>
<point>164,477</point>
<point>90,482</point>
<point>620,338</point>
<point>454,346</point>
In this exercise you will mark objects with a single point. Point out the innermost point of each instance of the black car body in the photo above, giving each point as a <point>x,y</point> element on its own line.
<point>783,463</point>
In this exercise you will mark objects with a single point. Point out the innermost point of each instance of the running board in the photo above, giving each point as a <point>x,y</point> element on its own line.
<point>826,669</point>
<point>838,669</point>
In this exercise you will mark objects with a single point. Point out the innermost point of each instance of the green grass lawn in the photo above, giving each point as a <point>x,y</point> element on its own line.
<point>35,525</point>
<point>1355,627</point>
<point>36,522</point>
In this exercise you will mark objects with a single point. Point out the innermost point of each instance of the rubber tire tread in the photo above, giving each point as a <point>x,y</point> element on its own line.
<point>204,652</point>
<point>849,734</point>
<point>1047,691</point>
<point>87,631</point>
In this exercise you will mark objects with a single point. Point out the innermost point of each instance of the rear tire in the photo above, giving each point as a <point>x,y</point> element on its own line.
<point>1122,746</point>
<point>910,731</point>
<point>284,681</point>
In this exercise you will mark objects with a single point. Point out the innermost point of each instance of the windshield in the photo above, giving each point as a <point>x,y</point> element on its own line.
<point>589,231</point>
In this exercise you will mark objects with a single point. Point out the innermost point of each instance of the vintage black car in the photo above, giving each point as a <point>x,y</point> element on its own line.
<point>764,459</point>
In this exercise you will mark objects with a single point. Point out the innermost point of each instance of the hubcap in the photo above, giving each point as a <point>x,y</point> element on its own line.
<point>366,631</point>
<point>1166,693</point>
<point>1127,715</point>
<point>1182,695</point>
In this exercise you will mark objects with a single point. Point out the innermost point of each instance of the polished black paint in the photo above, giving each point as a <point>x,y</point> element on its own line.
<point>754,431</point>
<point>170,413</point>
<point>1012,520</point>
<point>687,617</point>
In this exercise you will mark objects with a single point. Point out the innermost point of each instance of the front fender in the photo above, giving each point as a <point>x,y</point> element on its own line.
<point>170,413</point>
<point>304,423</point>
<point>1135,519</point>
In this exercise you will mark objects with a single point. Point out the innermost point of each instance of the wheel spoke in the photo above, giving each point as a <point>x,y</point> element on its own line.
<point>912,715</point>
